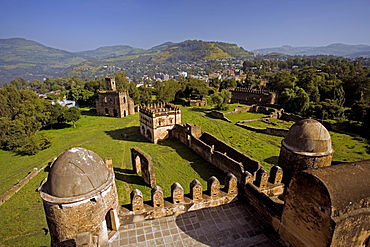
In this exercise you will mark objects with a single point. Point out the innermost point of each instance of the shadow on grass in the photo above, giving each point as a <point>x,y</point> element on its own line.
<point>58,126</point>
<point>91,112</point>
<point>273,160</point>
<point>127,134</point>
<point>207,112</point>
<point>204,169</point>
<point>128,176</point>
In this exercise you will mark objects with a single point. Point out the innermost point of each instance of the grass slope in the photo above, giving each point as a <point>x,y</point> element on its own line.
<point>22,217</point>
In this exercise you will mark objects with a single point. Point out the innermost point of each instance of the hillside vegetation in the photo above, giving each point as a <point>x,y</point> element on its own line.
<point>193,50</point>
<point>32,60</point>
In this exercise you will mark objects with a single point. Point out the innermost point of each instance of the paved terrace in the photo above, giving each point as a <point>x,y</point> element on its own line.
<point>232,224</point>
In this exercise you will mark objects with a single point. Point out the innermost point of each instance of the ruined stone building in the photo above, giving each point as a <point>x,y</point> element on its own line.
<point>157,119</point>
<point>114,103</point>
<point>80,200</point>
<point>250,97</point>
<point>305,199</point>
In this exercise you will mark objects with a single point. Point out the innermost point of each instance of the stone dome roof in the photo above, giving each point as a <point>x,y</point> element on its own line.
<point>308,137</point>
<point>76,172</point>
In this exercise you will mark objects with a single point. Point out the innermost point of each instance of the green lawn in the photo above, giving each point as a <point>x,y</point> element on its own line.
<point>22,217</point>
<point>272,123</point>
<point>245,116</point>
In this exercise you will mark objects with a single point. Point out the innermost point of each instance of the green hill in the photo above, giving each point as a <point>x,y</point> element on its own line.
<point>32,60</point>
<point>192,50</point>
<point>110,51</point>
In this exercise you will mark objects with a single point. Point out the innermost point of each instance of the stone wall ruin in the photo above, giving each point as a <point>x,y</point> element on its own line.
<point>142,163</point>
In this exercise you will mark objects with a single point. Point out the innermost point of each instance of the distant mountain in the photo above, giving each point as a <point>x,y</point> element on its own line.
<point>192,50</point>
<point>343,50</point>
<point>31,60</point>
<point>110,51</point>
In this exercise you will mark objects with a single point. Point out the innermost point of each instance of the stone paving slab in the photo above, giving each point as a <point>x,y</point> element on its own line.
<point>228,225</point>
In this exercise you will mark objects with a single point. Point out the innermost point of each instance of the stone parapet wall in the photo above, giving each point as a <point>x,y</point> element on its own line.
<point>248,96</point>
<point>179,203</point>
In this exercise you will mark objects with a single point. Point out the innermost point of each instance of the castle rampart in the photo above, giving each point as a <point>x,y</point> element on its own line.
<point>179,203</point>
<point>249,97</point>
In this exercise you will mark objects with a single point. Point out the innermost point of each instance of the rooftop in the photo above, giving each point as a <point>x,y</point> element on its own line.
<point>231,224</point>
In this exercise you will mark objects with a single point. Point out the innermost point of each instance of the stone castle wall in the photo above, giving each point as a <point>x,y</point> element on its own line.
<point>250,97</point>
<point>179,203</point>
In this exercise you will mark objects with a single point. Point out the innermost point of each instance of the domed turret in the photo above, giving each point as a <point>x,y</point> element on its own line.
<point>308,137</point>
<point>306,145</point>
<point>76,172</point>
<point>80,198</point>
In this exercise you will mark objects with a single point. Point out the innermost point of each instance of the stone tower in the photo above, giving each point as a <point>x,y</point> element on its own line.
<point>306,145</point>
<point>114,103</point>
<point>80,200</point>
<point>157,120</point>
<point>110,84</point>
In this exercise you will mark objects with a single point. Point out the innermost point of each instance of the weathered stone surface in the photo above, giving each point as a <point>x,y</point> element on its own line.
<point>213,187</point>
<point>177,194</point>
<point>157,197</point>
<point>231,184</point>
<point>114,103</point>
<point>261,178</point>
<point>329,206</point>
<point>88,203</point>
<point>137,201</point>
<point>306,145</point>
<point>142,162</point>
<point>276,175</point>
<point>250,97</point>
<point>83,169</point>
<point>196,191</point>
<point>157,120</point>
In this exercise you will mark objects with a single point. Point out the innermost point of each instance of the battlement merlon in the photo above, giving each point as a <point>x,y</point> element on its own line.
<point>159,109</point>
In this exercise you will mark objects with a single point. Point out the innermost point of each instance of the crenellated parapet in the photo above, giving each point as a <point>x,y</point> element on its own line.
<point>270,184</point>
<point>247,90</point>
<point>159,109</point>
<point>178,203</point>
<point>249,96</point>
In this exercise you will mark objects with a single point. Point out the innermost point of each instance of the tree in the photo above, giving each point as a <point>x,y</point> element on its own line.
<point>252,82</point>
<point>167,90</point>
<point>228,83</point>
<point>359,111</point>
<point>294,100</point>
<point>281,80</point>
<point>195,89</point>
<point>121,80</point>
<point>79,94</point>
<point>72,114</point>
<point>221,99</point>
<point>145,95</point>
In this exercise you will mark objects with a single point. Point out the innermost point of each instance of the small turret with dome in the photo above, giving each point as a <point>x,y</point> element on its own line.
<point>80,197</point>
<point>306,145</point>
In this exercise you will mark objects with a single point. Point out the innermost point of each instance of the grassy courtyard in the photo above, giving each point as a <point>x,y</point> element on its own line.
<point>22,218</point>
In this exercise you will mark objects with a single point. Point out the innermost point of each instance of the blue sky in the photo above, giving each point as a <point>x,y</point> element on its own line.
<point>77,25</point>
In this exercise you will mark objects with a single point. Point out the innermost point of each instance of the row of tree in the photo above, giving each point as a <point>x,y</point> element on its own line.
<point>23,113</point>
